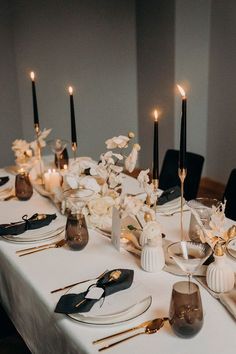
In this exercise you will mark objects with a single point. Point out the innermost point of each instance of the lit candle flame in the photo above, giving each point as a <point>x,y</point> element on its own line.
<point>32,75</point>
<point>156,115</point>
<point>70,89</point>
<point>181,90</point>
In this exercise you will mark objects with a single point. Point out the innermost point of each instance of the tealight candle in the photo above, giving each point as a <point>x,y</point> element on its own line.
<point>52,180</point>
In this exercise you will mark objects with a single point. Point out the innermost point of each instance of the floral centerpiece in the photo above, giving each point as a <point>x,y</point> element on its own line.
<point>27,153</point>
<point>105,178</point>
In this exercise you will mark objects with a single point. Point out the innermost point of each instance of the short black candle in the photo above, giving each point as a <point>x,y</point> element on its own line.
<point>72,117</point>
<point>155,172</point>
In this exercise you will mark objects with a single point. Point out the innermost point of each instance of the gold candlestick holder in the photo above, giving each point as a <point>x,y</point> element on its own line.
<point>37,132</point>
<point>155,183</point>
<point>74,149</point>
<point>182,175</point>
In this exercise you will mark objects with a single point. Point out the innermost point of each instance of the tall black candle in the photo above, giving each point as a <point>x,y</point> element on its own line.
<point>155,172</point>
<point>72,117</point>
<point>35,105</point>
<point>183,131</point>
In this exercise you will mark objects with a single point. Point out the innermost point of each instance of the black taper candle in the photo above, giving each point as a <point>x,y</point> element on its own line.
<point>72,116</point>
<point>155,172</point>
<point>183,131</point>
<point>35,105</point>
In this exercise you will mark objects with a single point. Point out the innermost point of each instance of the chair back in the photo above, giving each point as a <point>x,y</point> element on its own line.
<point>230,196</point>
<point>169,173</point>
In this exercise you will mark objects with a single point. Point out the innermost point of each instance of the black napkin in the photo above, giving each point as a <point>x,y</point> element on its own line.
<point>3,180</point>
<point>35,222</point>
<point>168,195</point>
<point>67,303</point>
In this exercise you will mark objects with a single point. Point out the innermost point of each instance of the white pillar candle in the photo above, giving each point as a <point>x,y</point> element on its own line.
<point>52,180</point>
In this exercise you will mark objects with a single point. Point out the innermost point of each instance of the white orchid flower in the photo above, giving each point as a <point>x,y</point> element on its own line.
<point>101,206</point>
<point>101,171</point>
<point>116,169</point>
<point>143,178</point>
<point>20,145</point>
<point>114,180</point>
<point>130,206</point>
<point>90,182</point>
<point>131,160</point>
<point>120,141</point>
<point>72,180</point>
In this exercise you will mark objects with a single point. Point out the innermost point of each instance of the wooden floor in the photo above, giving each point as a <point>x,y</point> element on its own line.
<point>10,341</point>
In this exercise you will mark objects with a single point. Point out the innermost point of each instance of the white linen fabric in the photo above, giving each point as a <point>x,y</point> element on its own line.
<point>26,282</point>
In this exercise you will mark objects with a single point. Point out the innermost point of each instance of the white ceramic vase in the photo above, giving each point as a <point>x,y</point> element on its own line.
<point>151,230</point>
<point>152,256</point>
<point>219,276</point>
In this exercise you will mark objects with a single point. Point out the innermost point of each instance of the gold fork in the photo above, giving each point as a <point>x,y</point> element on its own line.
<point>27,251</point>
<point>80,282</point>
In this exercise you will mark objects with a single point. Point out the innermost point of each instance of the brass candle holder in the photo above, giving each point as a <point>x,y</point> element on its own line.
<point>74,149</point>
<point>182,172</point>
<point>155,183</point>
<point>37,132</point>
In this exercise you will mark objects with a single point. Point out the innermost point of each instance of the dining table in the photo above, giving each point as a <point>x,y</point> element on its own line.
<point>26,284</point>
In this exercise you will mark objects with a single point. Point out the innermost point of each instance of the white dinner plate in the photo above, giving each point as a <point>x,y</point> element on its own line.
<point>31,236</point>
<point>117,308</point>
<point>231,247</point>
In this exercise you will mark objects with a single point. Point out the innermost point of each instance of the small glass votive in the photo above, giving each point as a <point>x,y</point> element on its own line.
<point>76,235</point>
<point>76,231</point>
<point>202,208</point>
<point>186,315</point>
<point>23,186</point>
<point>62,160</point>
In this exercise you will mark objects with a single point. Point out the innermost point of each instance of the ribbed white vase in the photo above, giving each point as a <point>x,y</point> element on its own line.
<point>152,256</point>
<point>220,277</point>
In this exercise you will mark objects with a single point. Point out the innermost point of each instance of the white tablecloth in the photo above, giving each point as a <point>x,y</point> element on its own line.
<point>26,282</point>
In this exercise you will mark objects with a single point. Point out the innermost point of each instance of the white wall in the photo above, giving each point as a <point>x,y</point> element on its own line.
<point>10,123</point>
<point>155,58</point>
<point>221,129</point>
<point>192,45</point>
<point>90,45</point>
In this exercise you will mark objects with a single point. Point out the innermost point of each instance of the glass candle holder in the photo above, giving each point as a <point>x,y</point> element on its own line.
<point>186,315</point>
<point>76,228</point>
<point>23,186</point>
<point>62,160</point>
<point>76,231</point>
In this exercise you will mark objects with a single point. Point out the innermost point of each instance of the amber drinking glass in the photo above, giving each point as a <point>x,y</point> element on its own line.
<point>23,186</point>
<point>186,315</point>
<point>76,228</point>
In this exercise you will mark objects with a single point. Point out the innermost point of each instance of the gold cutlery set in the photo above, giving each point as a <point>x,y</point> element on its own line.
<point>150,327</point>
<point>26,251</point>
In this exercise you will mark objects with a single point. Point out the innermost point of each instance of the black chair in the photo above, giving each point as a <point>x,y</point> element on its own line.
<point>169,173</point>
<point>230,196</point>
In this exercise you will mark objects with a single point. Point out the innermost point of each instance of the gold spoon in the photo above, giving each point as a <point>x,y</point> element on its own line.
<point>141,325</point>
<point>43,247</point>
<point>151,328</point>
